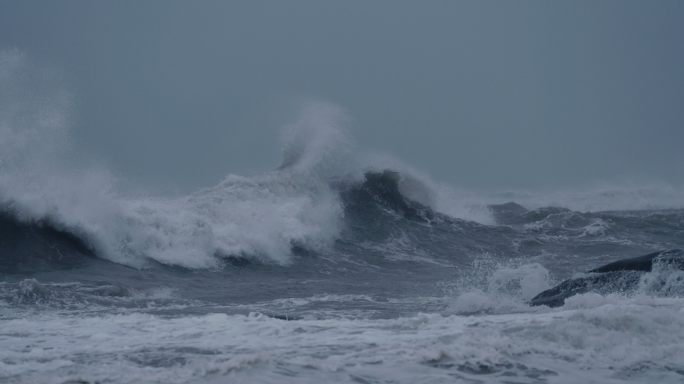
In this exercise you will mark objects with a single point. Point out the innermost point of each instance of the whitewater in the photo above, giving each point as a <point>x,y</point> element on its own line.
<point>335,266</point>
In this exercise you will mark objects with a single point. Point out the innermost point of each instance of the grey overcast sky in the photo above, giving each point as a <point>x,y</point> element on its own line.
<point>478,94</point>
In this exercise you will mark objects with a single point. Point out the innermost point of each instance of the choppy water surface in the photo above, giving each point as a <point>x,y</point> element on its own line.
<point>400,293</point>
<point>331,268</point>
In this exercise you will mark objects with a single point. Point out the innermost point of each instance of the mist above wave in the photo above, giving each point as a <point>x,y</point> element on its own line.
<point>261,216</point>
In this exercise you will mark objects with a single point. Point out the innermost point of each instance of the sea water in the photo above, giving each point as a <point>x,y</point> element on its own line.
<point>334,267</point>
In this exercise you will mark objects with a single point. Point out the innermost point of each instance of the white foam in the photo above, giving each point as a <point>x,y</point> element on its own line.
<point>505,289</point>
<point>665,280</point>
<point>614,340</point>
<point>528,280</point>
<point>261,215</point>
<point>597,228</point>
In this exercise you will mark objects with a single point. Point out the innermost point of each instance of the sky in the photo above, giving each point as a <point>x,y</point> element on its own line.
<point>486,95</point>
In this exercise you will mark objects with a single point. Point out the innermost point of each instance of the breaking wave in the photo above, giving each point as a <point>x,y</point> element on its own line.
<point>260,216</point>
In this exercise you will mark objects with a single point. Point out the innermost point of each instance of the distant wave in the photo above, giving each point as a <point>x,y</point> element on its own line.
<point>605,196</point>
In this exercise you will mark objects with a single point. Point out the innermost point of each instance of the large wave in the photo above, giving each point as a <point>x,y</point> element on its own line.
<point>261,216</point>
<point>306,202</point>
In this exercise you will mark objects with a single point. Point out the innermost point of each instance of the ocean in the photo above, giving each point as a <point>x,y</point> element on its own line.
<point>334,267</point>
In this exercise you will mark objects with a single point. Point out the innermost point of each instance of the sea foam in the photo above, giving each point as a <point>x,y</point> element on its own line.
<point>261,215</point>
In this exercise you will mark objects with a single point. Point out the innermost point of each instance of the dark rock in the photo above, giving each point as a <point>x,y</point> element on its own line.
<point>619,276</point>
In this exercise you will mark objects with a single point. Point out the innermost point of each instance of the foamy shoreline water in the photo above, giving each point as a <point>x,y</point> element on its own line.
<point>334,267</point>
